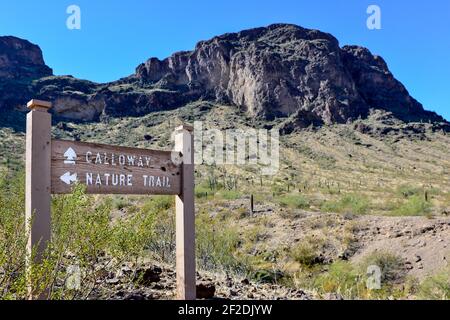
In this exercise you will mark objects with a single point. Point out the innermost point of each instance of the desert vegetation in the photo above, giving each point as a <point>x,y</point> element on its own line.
<point>94,237</point>
<point>341,201</point>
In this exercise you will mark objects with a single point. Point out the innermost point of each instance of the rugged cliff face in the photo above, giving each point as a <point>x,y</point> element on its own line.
<point>20,60</point>
<point>20,63</point>
<point>278,71</point>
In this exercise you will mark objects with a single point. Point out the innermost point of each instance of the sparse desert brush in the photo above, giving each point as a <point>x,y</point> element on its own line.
<point>159,203</point>
<point>229,194</point>
<point>305,254</point>
<point>162,245</point>
<point>436,287</point>
<point>308,251</point>
<point>83,228</point>
<point>413,206</point>
<point>407,191</point>
<point>203,191</point>
<point>264,222</point>
<point>255,234</point>
<point>277,190</point>
<point>13,238</point>
<point>267,275</point>
<point>350,280</point>
<point>291,214</point>
<point>120,202</point>
<point>82,237</point>
<point>350,203</point>
<point>392,266</point>
<point>352,227</point>
<point>293,201</point>
<point>217,245</point>
<point>342,278</point>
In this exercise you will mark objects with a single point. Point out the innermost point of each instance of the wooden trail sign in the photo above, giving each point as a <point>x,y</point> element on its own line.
<point>107,169</point>
<point>55,166</point>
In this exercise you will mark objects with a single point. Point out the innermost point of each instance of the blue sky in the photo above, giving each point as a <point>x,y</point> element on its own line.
<point>116,36</point>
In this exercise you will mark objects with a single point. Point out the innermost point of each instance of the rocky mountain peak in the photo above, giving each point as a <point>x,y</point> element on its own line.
<point>279,71</point>
<point>20,59</point>
<point>286,70</point>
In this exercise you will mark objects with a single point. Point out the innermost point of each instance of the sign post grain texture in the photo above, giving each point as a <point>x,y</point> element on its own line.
<point>37,180</point>
<point>185,217</point>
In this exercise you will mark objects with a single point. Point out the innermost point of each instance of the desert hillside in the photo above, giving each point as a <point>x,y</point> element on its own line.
<point>364,175</point>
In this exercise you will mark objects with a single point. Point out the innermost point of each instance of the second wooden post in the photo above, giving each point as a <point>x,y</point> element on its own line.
<point>185,217</point>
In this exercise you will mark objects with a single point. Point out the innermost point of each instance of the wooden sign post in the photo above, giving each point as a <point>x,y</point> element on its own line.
<point>185,217</point>
<point>55,166</point>
<point>37,180</point>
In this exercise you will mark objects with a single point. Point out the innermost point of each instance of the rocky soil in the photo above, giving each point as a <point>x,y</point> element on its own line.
<point>159,282</point>
<point>423,244</point>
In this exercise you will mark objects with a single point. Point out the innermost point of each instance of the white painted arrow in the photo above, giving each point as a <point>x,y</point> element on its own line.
<point>70,155</point>
<point>68,178</point>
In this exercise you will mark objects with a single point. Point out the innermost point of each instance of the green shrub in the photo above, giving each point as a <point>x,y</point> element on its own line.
<point>13,237</point>
<point>162,245</point>
<point>229,194</point>
<point>305,254</point>
<point>341,278</point>
<point>436,287</point>
<point>216,245</point>
<point>159,203</point>
<point>350,280</point>
<point>293,201</point>
<point>267,276</point>
<point>202,191</point>
<point>351,203</point>
<point>391,265</point>
<point>82,236</point>
<point>407,191</point>
<point>277,190</point>
<point>120,203</point>
<point>413,206</point>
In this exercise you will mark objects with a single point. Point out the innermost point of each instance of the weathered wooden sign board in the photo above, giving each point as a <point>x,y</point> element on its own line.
<point>55,166</point>
<point>105,169</point>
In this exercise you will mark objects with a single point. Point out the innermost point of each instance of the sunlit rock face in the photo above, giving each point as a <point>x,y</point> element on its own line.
<point>278,71</point>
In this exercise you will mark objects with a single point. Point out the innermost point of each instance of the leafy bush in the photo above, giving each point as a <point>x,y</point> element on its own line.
<point>305,254</point>
<point>351,203</point>
<point>407,191</point>
<point>436,287</point>
<point>83,239</point>
<point>202,191</point>
<point>413,206</point>
<point>120,203</point>
<point>216,245</point>
<point>267,276</point>
<point>229,194</point>
<point>341,278</point>
<point>293,201</point>
<point>391,265</point>
<point>13,237</point>
<point>162,245</point>
<point>308,251</point>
